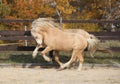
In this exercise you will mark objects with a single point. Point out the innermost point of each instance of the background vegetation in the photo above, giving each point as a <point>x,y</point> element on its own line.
<point>69,9</point>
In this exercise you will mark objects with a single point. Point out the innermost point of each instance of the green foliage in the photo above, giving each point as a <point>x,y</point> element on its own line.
<point>4,10</point>
<point>85,26</point>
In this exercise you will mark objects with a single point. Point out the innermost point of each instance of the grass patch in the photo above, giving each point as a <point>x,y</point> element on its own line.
<point>19,57</point>
<point>26,57</point>
<point>112,43</point>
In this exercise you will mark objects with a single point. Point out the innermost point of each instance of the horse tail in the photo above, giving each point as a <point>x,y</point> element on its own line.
<point>92,44</point>
<point>95,45</point>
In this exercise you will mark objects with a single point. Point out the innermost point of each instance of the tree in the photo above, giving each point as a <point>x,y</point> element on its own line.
<point>4,9</point>
<point>96,9</point>
<point>70,9</point>
<point>23,9</point>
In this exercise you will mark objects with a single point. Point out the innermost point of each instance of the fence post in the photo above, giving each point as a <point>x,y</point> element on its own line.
<point>25,29</point>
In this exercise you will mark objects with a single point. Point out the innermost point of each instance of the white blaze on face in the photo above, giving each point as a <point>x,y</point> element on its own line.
<point>37,36</point>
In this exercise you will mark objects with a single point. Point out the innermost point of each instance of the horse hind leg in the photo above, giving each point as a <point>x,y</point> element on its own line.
<point>72,59</point>
<point>81,60</point>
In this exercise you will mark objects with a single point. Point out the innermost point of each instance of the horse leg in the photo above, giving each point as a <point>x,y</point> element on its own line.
<point>81,60</point>
<point>72,59</point>
<point>47,49</point>
<point>36,50</point>
<point>57,58</point>
<point>75,64</point>
<point>39,40</point>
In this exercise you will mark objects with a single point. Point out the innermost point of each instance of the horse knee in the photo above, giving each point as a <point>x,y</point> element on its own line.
<point>48,59</point>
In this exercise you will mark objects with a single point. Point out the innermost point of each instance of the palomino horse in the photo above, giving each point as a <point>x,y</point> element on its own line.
<point>92,50</point>
<point>58,40</point>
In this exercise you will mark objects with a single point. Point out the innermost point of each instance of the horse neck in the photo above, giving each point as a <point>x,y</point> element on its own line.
<point>53,30</point>
<point>50,32</point>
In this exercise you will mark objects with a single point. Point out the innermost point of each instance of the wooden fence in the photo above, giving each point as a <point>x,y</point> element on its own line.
<point>10,35</point>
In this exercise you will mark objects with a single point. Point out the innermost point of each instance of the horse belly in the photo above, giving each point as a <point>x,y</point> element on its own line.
<point>63,45</point>
<point>65,48</point>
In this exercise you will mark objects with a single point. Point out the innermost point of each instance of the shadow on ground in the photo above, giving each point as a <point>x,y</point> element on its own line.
<point>28,61</point>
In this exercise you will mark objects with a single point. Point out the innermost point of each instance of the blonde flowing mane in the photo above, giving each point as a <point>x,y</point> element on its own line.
<point>48,21</point>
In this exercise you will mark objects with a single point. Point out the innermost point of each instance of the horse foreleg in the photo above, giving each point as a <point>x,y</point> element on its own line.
<point>47,49</point>
<point>57,58</point>
<point>36,50</point>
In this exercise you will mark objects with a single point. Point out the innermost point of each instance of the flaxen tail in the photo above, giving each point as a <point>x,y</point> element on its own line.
<point>92,44</point>
<point>95,45</point>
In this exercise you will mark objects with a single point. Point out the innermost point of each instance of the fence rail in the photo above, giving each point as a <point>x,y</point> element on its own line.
<point>14,33</point>
<point>64,21</point>
<point>10,35</point>
<point>26,35</point>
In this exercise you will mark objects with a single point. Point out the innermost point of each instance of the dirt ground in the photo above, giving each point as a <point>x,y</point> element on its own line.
<point>97,75</point>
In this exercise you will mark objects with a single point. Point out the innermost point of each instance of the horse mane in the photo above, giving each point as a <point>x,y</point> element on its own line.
<point>44,24</point>
<point>49,21</point>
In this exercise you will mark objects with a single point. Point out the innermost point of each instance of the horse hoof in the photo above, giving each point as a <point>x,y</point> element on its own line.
<point>60,69</point>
